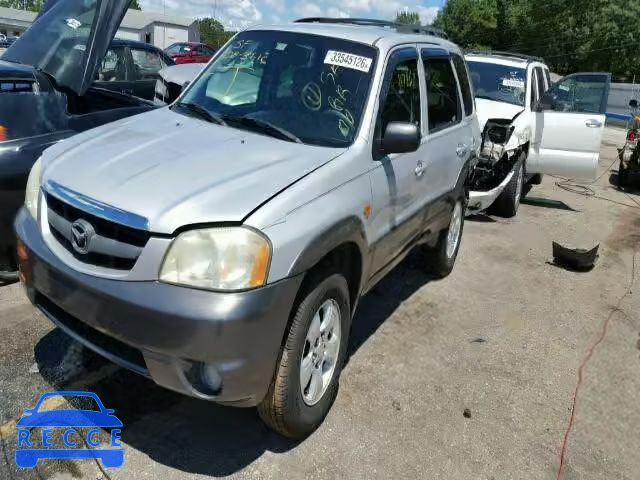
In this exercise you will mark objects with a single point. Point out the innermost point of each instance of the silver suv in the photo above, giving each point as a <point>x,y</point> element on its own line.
<point>220,246</point>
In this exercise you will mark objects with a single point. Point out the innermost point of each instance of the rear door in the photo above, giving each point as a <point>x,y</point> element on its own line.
<point>448,140</point>
<point>146,65</point>
<point>569,125</point>
<point>113,72</point>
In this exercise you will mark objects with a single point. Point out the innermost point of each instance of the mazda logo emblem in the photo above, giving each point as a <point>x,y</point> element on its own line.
<point>82,232</point>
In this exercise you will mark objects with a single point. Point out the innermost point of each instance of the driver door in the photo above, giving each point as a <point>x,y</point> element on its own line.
<point>568,126</point>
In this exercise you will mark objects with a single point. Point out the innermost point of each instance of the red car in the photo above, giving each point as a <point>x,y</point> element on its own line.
<point>190,52</point>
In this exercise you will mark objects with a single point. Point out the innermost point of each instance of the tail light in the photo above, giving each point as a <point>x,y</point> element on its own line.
<point>3,133</point>
<point>633,136</point>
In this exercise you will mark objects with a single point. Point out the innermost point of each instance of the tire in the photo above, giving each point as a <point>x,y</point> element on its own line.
<point>508,202</point>
<point>441,259</point>
<point>289,408</point>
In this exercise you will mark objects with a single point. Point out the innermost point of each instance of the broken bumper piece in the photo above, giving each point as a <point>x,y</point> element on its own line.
<point>481,200</point>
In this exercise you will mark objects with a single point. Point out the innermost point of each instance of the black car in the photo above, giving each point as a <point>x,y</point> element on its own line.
<point>61,77</point>
<point>131,68</point>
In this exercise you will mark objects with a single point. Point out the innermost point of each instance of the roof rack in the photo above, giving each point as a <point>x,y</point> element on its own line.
<point>369,22</point>
<point>499,53</point>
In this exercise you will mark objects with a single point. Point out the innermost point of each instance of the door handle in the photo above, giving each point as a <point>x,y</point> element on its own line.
<point>462,150</point>
<point>593,123</point>
<point>127,91</point>
<point>420,169</point>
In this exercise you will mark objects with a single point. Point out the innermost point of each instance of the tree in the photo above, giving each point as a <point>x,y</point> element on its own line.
<point>470,23</point>
<point>212,32</point>
<point>134,5</point>
<point>408,18</point>
<point>32,5</point>
<point>571,35</point>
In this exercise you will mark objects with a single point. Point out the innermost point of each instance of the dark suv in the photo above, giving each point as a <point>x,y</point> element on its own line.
<point>65,76</point>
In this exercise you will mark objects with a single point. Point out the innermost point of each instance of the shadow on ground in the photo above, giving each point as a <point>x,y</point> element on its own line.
<point>192,435</point>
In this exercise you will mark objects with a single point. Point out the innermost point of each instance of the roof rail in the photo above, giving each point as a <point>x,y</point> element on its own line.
<point>520,56</point>
<point>365,22</point>
<point>369,22</point>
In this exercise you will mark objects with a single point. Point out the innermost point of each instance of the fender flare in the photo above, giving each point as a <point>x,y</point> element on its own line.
<point>347,230</point>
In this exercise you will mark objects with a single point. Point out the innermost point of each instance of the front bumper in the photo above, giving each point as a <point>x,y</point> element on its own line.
<point>482,200</point>
<point>170,334</point>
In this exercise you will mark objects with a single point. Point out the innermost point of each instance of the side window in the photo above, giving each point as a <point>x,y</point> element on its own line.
<point>403,100</point>
<point>581,93</point>
<point>540,81</point>
<point>442,94</point>
<point>146,64</point>
<point>465,86</point>
<point>113,67</point>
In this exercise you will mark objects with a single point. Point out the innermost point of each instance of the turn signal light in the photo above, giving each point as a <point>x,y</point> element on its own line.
<point>23,261</point>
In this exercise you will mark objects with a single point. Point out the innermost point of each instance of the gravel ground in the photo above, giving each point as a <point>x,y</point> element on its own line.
<point>502,338</point>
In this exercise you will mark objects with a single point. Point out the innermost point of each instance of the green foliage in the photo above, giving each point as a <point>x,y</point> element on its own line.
<point>212,32</point>
<point>33,5</point>
<point>408,18</point>
<point>134,5</point>
<point>572,35</point>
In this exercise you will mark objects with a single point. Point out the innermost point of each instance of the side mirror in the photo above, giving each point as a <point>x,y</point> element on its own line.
<point>401,137</point>
<point>633,103</point>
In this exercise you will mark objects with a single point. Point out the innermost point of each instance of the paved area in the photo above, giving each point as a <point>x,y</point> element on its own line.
<point>503,337</point>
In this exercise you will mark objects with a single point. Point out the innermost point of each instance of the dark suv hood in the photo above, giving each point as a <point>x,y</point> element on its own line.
<point>69,39</point>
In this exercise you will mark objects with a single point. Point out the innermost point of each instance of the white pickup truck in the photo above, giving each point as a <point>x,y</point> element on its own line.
<point>531,127</point>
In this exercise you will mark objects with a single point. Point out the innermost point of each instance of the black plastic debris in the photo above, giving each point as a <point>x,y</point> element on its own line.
<point>578,259</point>
<point>466,413</point>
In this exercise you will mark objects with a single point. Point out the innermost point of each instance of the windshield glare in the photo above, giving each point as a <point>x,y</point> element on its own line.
<point>501,83</point>
<point>312,87</point>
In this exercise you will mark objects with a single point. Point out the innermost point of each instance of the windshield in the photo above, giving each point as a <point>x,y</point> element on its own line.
<point>313,88</point>
<point>501,83</point>
<point>179,48</point>
<point>69,39</point>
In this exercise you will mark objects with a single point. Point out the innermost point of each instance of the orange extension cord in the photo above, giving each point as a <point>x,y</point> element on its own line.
<point>591,351</point>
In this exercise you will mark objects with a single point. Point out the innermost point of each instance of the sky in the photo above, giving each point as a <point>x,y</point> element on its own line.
<point>239,13</point>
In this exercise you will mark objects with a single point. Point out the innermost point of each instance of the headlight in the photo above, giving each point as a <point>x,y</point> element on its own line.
<point>32,197</point>
<point>234,258</point>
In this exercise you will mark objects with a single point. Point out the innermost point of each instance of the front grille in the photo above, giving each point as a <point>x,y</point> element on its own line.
<point>115,350</point>
<point>117,246</point>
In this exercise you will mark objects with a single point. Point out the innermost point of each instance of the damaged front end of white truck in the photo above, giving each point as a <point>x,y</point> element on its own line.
<point>498,179</point>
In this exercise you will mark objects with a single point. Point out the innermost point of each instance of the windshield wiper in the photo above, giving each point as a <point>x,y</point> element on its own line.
<point>202,112</point>
<point>263,126</point>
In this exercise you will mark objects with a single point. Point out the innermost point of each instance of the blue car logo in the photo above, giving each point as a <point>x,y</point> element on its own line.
<point>29,451</point>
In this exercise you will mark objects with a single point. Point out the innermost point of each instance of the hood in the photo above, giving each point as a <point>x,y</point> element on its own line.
<point>491,109</point>
<point>181,74</point>
<point>177,171</point>
<point>69,39</point>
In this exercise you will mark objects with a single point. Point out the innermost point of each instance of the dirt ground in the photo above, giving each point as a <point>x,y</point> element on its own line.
<point>503,337</point>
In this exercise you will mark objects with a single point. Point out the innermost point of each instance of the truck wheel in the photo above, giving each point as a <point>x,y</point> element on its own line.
<point>305,383</point>
<point>508,202</point>
<point>442,257</point>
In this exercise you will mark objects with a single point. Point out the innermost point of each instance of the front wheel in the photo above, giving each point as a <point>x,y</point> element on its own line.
<point>442,257</point>
<point>508,202</point>
<point>305,383</point>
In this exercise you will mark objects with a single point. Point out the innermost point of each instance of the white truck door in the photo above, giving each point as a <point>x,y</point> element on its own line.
<point>568,126</point>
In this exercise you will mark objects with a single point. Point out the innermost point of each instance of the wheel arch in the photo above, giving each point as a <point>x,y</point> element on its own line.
<point>341,248</point>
